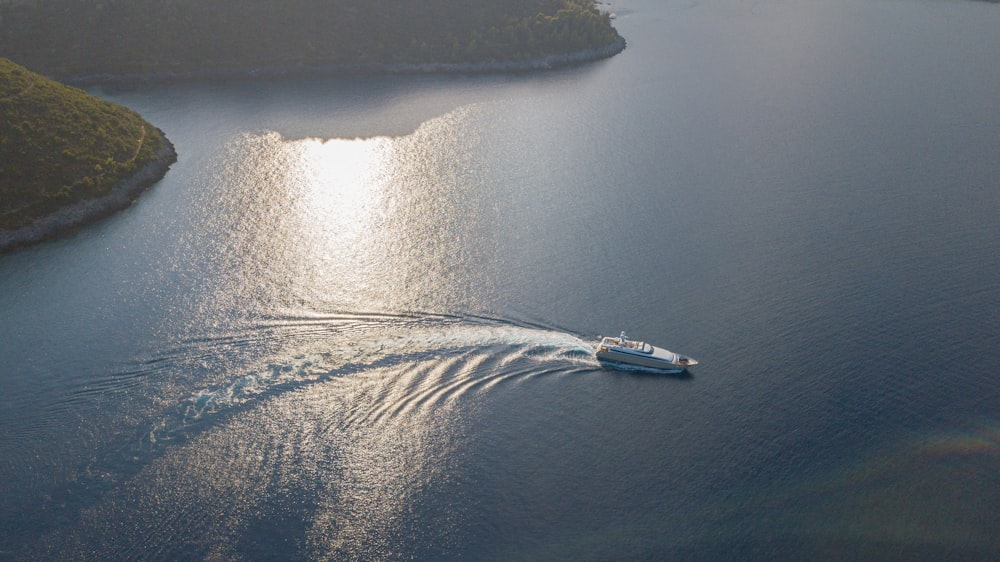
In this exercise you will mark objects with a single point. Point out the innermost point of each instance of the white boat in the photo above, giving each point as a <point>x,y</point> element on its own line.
<point>642,354</point>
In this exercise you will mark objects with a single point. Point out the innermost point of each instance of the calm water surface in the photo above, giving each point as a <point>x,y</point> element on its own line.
<point>355,320</point>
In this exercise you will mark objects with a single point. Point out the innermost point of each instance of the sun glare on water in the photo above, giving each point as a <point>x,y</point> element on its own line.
<point>361,224</point>
<point>331,191</point>
<point>343,178</point>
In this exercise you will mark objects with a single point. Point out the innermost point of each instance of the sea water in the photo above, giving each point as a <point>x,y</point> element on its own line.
<point>356,319</point>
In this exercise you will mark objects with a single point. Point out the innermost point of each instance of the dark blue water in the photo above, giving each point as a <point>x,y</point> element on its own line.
<point>356,319</point>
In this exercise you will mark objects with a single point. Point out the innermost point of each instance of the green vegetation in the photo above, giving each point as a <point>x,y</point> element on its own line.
<point>60,145</point>
<point>73,39</point>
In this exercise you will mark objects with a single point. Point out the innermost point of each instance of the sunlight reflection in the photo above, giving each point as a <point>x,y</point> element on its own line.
<point>343,183</point>
<point>373,224</point>
<point>343,180</point>
<point>295,224</point>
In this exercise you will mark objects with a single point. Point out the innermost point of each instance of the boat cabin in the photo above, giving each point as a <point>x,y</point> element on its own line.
<point>622,342</point>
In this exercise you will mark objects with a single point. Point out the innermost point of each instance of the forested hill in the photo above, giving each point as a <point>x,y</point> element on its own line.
<point>70,39</point>
<point>60,146</point>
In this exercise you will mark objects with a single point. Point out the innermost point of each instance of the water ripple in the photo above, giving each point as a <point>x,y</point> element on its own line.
<point>440,361</point>
<point>369,392</point>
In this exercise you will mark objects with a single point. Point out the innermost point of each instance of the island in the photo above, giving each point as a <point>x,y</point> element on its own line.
<point>99,42</point>
<point>68,158</point>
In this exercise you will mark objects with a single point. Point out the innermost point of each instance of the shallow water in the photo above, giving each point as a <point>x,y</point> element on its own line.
<point>356,318</point>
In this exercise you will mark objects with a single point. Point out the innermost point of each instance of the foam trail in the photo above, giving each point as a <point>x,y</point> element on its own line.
<point>434,358</point>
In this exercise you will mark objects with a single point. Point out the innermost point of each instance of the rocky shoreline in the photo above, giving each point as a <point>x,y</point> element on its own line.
<point>82,213</point>
<point>293,70</point>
